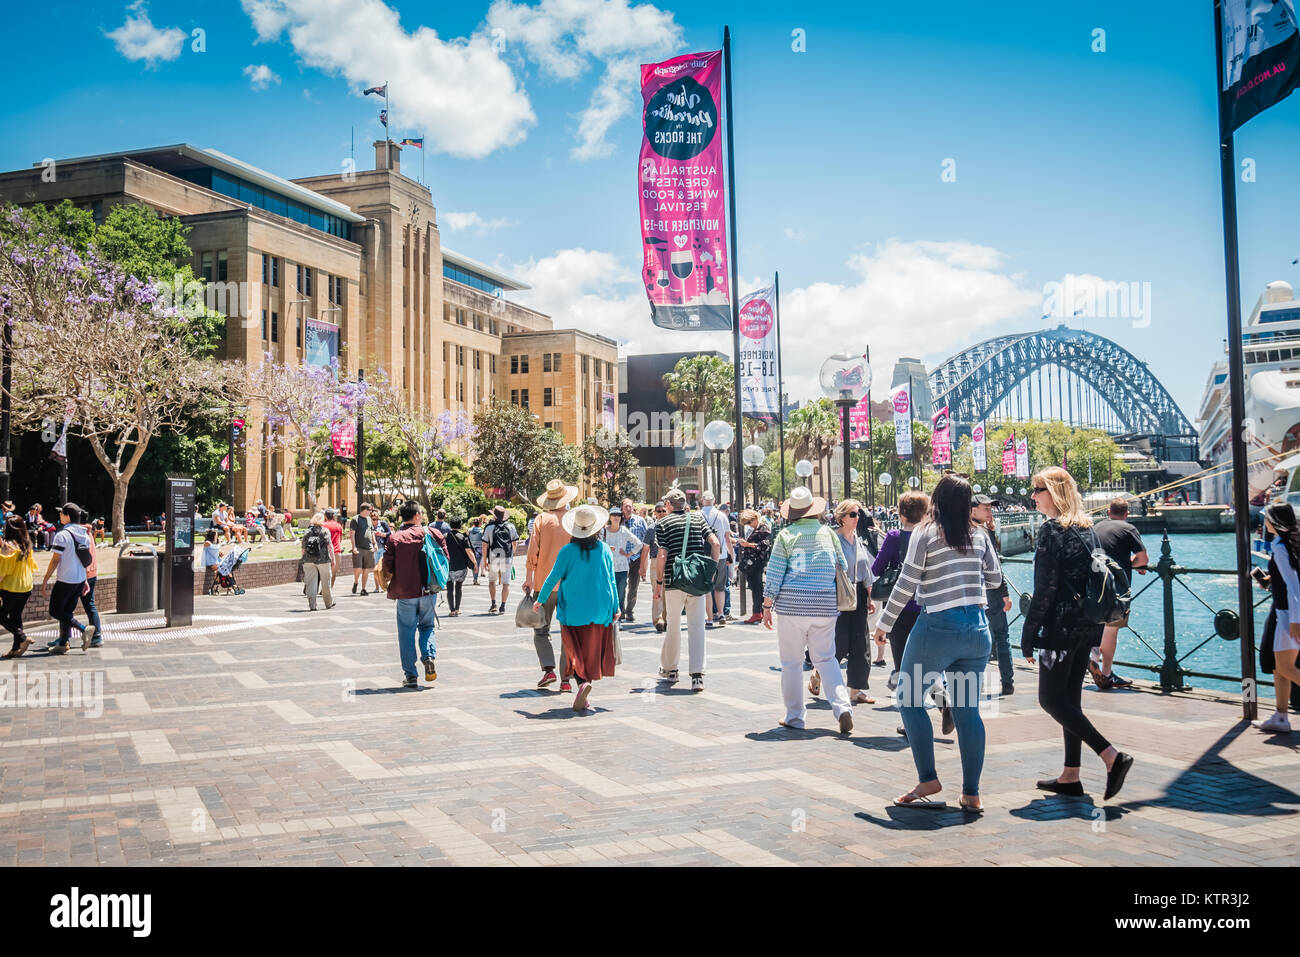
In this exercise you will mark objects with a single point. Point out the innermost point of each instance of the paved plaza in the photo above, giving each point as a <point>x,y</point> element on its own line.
<point>265,734</point>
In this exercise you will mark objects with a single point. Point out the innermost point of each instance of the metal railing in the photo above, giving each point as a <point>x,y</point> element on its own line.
<point>1168,573</point>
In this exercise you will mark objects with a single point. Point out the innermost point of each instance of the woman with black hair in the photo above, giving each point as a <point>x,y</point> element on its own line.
<point>588,601</point>
<point>948,569</point>
<point>17,568</point>
<point>1284,582</point>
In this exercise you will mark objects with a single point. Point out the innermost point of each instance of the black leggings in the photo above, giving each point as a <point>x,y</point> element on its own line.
<point>754,578</point>
<point>11,611</point>
<point>453,592</point>
<point>898,634</point>
<point>1060,693</point>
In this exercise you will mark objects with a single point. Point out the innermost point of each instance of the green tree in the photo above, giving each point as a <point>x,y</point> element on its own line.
<point>610,465</point>
<point>512,451</point>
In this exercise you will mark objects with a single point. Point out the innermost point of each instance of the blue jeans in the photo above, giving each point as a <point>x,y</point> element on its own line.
<point>92,613</point>
<point>1001,640</point>
<point>413,614</point>
<point>620,587</point>
<point>954,643</point>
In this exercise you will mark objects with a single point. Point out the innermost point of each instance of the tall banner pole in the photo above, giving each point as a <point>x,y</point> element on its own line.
<point>739,474</point>
<point>911,432</point>
<point>361,442</point>
<point>780,386</point>
<point>388,125</point>
<point>1236,384</point>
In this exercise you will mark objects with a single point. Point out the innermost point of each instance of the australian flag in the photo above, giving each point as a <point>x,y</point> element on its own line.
<point>381,90</point>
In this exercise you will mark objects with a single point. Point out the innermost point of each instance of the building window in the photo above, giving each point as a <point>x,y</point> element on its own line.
<point>514,396</point>
<point>275,271</point>
<point>523,365</point>
<point>478,359</point>
<point>223,266</point>
<point>584,365</point>
<point>460,317</point>
<point>609,372</point>
<point>492,361</point>
<point>493,327</point>
<point>478,322</point>
<point>514,365</point>
<point>446,313</point>
<point>555,362</point>
<point>264,324</point>
<point>546,396</point>
<point>300,332</point>
<point>205,270</point>
<point>546,362</point>
<point>304,279</point>
<point>460,391</point>
<point>265,268</point>
<point>523,398</point>
<point>460,355</point>
<point>275,327</point>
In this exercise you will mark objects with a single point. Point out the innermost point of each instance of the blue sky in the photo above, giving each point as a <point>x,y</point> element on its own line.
<point>1067,161</point>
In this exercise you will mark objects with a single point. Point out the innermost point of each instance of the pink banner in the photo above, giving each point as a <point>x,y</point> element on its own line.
<point>343,439</point>
<point>1009,455</point>
<point>940,440</point>
<point>860,421</point>
<point>683,225</point>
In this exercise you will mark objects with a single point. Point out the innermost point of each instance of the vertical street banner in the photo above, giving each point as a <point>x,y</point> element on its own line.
<point>760,394</point>
<point>940,438</point>
<point>343,439</point>
<point>320,343</point>
<point>609,410</point>
<point>902,401</point>
<point>682,197</point>
<point>978,447</point>
<point>860,421</point>
<point>1022,459</point>
<point>1009,455</point>
<point>1261,57</point>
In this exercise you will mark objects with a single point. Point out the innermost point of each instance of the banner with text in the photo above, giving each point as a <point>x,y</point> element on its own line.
<point>320,343</point>
<point>343,439</point>
<point>902,402</point>
<point>609,410</point>
<point>979,450</point>
<point>1022,459</point>
<point>1261,57</point>
<point>760,392</point>
<point>940,438</point>
<point>860,421</point>
<point>680,183</point>
<point>1009,455</point>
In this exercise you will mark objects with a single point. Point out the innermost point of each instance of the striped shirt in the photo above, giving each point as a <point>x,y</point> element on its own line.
<point>669,531</point>
<point>942,577</point>
<point>801,571</point>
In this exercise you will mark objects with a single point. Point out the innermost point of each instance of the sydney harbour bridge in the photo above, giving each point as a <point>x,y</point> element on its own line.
<point>1073,375</point>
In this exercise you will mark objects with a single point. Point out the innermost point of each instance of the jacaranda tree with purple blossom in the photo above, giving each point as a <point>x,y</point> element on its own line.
<point>99,348</point>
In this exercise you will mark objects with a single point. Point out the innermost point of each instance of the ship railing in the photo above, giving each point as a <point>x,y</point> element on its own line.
<point>1222,623</point>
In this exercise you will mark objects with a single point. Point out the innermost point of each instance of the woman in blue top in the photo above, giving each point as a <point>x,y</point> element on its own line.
<point>587,603</point>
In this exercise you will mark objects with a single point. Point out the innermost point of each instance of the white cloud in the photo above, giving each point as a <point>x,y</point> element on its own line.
<point>796,235</point>
<point>924,299</point>
<point>139,39</point>
<point>564,37</point>
<point>458,92</point>
<point>463,222</point>
<point>261,76</point>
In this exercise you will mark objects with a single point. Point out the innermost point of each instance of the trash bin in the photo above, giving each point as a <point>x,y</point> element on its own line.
<point>137,578</point>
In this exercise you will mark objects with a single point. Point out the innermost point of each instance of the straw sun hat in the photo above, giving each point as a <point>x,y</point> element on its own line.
<point>802,502</point>
<point>584,521</point>
<point>557,495</point>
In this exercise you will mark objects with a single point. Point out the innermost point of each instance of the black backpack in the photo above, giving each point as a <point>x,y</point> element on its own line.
<point>501,540</point>
<point>316,545</point>
<point>1105,595</point>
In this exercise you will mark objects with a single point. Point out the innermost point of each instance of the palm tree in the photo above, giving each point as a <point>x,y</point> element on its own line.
<point>701,387</point>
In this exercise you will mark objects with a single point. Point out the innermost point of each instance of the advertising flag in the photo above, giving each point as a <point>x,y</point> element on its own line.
<point>940,438</point>
<point>1009,455</point>
<point>902,400</point>
<point>1022,459</point>
<point>609,410</point>
<point>760,394</point>
<point>978,448</point>
<point>680,185</point>
<point>860,421</point>
<point>343,439</point>
<point>1261,57</point>
<point>320,343</point>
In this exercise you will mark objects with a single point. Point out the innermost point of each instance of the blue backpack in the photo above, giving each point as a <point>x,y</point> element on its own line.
<point>433,566</point>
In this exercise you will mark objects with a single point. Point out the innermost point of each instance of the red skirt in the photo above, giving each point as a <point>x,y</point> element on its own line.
<point>590,650</point>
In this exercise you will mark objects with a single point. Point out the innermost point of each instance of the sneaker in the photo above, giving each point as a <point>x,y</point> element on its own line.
<point>580,699</point>
<point>661,627</point>
<point>892,683</point>
<point>430,670</point>
<point>501,609</point>
<point>364,593</point>
<point>668,676</point>
<point>410,681</point>
<point>697,682</point>
<point>902,730</point>
<point>708,623</point>
<point>493,609</point>
<point>20,647</point>
<point>846,722</point>
<point>548,679</point>
<point>87,637</point>
<point>565,685</point>
<point>97,643</point>
<point>1117,682</point>
<point>354,588</point>
<point>1276,723</point>
<point>1008,689</point>
<point>58,648</point>
<point>753,619</point>
<point>629,618</point>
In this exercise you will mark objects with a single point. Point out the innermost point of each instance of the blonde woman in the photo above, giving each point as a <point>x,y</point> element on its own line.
<point>1055,628</point>
<point>851,643</point>
<point>317,562</point>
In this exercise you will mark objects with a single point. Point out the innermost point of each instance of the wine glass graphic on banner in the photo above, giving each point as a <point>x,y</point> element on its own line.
<point>683,264</point>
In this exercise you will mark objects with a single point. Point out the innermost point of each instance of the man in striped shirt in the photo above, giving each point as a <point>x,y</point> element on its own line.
<point>671,532</point>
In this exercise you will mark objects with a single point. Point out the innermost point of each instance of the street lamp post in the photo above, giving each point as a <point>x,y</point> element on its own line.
<point>753,457</point>
<point>803,470</point>
<point>718,436</point>
<point>846,378</point>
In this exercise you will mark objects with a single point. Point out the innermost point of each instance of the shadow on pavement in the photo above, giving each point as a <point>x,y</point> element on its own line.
<point>1060,807</point>
<point>562,713</point>
<point>919,819</point>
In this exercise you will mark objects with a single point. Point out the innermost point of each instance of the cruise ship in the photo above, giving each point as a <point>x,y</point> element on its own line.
<point>1271,352</point>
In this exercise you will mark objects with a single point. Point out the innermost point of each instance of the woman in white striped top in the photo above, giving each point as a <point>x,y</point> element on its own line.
<point>948,568</point>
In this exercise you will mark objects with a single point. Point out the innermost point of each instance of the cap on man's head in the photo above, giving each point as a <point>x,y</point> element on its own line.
<point>499,511</point>
<point>675,498</point>
<point>982,499</point>
<point>707,498</point>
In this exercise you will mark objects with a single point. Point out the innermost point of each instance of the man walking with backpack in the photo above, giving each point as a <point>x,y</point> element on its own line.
<point>413,584</point>
<point>498,549</point>
<point>317,563</point>
<point>363,547</point>
<point>72,556</point>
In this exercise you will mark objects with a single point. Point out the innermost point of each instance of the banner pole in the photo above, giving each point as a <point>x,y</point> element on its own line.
<point>1236,382</point>
<point>780,388</point>
<point>738,476</point>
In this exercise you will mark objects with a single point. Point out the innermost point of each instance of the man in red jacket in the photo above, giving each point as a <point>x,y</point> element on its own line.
<point>405,584</point>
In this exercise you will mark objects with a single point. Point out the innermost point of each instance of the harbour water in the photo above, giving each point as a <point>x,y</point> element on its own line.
<point>1193,622</point>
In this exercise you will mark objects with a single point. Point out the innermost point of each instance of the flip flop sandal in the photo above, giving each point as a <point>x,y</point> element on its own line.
<point>920,801</point>
<point>815,684</point>
<point>862,698</point>
<point>971,808</point>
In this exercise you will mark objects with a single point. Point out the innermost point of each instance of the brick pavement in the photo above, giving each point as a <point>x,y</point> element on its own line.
<point>266,735</point>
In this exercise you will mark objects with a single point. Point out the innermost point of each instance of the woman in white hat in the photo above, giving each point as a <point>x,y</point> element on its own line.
<point>588,603</point>
<point>801,588</point>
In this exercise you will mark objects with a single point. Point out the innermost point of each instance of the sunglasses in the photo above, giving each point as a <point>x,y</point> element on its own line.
<point>1038,491</point>
<point>850,514</point>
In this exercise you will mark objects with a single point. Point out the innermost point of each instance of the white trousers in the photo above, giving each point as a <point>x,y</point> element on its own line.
<point>674,600</point>
<point>794,633</point>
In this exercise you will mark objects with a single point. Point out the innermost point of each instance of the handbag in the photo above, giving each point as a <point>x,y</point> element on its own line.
<point>692,574</point>
<point>846,590</point>
<point>382,577</point>
<point>882,586</point>
<point>525,616</point>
